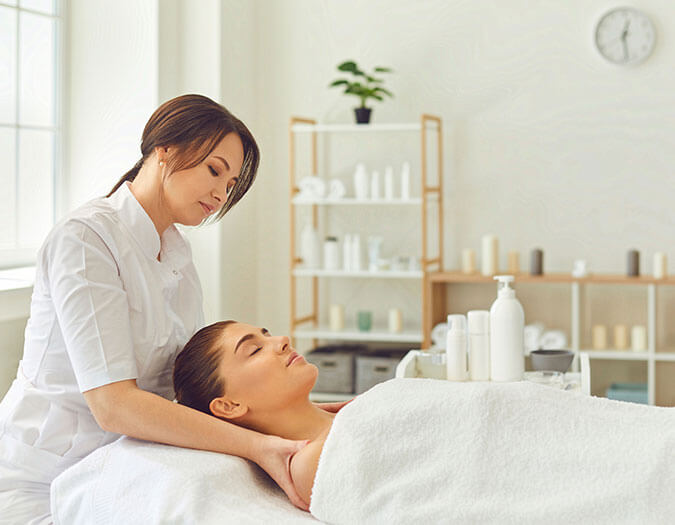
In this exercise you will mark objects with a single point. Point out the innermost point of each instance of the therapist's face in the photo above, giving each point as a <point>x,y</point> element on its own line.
<point>193,194</point>
<point>262,373</point>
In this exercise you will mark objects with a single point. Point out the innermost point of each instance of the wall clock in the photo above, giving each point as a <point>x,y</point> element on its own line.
<point>625,36</point>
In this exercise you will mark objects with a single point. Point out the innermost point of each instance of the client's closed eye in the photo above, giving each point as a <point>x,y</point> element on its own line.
<point>255,351</point>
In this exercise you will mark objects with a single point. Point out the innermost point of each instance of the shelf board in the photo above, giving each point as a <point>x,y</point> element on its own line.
<point>329,397</point>
<point>619,355</point>
<point>337,128</point>
<point>384,274</point>
<point>664,356</point>
<point>350,201</point>
<point>459,277</point>
<point>356,335</point>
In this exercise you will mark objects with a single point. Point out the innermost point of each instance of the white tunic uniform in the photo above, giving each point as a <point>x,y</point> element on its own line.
<point>103,309</point>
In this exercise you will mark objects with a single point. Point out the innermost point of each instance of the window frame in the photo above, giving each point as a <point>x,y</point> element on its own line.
<point>26,256</point>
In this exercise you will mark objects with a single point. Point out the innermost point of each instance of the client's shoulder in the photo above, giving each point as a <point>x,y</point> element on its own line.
<point>304,465</point>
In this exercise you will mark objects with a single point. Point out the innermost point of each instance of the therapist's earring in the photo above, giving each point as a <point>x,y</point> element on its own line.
<point>161,163</point>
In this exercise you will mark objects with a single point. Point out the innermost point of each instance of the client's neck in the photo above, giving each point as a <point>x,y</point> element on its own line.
<point>301,420</point>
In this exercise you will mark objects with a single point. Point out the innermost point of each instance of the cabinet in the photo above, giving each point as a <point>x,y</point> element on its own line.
<point>310,152</point>
<point>575,305</point>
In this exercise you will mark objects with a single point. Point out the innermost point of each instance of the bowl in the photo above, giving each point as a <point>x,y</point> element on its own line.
<point>558,360</point>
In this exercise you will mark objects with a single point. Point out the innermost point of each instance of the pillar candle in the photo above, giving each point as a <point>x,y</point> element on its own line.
<point>490,255</point>
<point>660,265</point>
<point>599,337</point>
<point>537,262</point>
<point>395,320</point>
<point>514,263</point>
<point>621,337</point>
<point>638,338</point>
<point>337,317</point>
<point>468,261</point>
<point>633,263</point>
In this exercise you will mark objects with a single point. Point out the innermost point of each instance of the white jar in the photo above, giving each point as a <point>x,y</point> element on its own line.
<point>331,257</point>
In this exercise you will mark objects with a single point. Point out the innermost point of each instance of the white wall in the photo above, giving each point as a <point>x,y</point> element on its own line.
<point>546,144</point>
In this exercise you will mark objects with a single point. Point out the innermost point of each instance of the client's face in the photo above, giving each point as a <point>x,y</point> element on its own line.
<point>261,372</point>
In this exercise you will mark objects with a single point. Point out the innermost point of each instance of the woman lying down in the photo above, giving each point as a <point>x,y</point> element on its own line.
<point>438,451</point>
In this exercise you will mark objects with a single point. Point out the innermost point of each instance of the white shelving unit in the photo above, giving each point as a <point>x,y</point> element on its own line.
<point>439,282</point>
<point>309,326</point>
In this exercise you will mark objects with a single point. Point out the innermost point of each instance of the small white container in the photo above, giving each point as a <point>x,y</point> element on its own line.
<point>638,338</point>
<point>331,256</point>
<point>395,320</point>
<point>405,181</point>
<point>507,329</point>
<point>455,348</point>
<point>479,345</point>
<point>660,265</point>
<point>309,248</point>
<point>468,261</point>
<point>337,317</point>
<point>490,255</point>
<point>361,182</point>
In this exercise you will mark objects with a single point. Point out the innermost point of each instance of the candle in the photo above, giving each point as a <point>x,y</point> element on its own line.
<point>514,263</point>
<point>337,317</point>
<point>395,320</point>
<point>633,263</point>
<point>599,337</point>
<point>660,265</point>
<point>468,261</point>
<point>639,338</point>
<point>537,262</point>
<point>490,260</point>
<point>621,337</point>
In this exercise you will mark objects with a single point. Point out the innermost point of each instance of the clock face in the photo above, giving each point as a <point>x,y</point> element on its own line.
<point>625,36</point>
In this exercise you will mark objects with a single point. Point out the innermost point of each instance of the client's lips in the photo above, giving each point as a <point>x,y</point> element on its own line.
<point>208,209</point>
<point>293,357</point>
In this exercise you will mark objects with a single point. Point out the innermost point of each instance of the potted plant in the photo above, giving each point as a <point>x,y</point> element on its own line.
<point>364,86</point>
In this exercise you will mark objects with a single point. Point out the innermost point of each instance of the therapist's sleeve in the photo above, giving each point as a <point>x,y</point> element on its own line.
<point>91,306</point>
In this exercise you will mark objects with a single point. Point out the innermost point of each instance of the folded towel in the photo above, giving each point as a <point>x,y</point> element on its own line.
<point>429,451</point>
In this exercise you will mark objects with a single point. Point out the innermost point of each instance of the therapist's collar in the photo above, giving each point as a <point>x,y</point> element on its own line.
<point>137,220</point>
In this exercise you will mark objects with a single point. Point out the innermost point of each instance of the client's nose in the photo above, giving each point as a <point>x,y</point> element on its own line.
<point>283,344</point>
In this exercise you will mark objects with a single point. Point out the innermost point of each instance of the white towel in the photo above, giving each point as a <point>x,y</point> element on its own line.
<point>429,451</point>
<point>137,482</point>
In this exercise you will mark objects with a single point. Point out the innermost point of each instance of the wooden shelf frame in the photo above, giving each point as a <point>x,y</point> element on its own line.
<point>428,124</point>
<point>438,283</point>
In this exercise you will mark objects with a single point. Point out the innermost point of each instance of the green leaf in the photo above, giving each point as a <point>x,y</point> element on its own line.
<point>383,70</point>
<point>339,83</point>
<point>349,66</point>
<point>378,97</point>
<point>385,91</point>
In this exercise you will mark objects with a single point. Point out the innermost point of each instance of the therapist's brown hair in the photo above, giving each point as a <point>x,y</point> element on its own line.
<point>196,380</point>
<point>195,125</point>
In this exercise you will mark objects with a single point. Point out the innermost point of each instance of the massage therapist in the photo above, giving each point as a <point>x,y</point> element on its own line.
<point>116,297</point>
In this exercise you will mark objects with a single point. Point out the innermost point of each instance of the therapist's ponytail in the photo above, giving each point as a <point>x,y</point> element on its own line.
<point>194,125</point>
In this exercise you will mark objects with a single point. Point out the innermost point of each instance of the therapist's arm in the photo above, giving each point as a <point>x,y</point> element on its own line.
<point>123,408</point>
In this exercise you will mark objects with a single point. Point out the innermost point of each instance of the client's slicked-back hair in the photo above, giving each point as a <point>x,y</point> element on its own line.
<point>196,380</point>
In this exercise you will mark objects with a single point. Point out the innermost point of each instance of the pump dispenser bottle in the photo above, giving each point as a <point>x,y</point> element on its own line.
<point>507,326</point>
<point>456,348</point>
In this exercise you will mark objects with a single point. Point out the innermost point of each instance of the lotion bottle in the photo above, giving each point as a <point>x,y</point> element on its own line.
<point>479,345</point>
<point>455,348</point>
<point>507,328</point>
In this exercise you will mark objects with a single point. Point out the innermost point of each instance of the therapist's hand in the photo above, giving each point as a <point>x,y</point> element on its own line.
<point>274,457</point>
<point>332,407</point>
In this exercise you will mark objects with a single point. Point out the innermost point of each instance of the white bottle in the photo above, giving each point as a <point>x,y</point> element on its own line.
<point>479,345</point>
<point>331,258</point>
<point>455,348</point>
<point>405,181</point>
<point>507,328</point>
<point>361,182</point>
<point>309,247</point>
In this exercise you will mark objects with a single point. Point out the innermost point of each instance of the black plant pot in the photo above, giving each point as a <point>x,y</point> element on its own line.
<point>362,115</point>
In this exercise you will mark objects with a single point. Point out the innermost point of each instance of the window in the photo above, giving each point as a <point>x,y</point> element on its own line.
<point>30,125</point>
